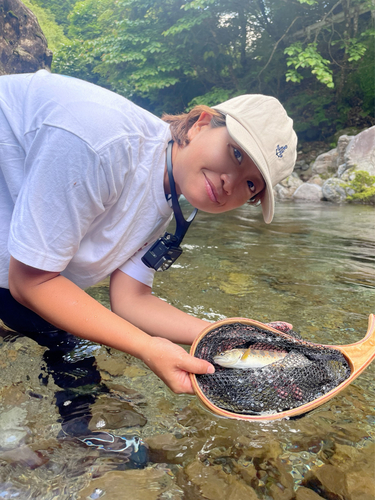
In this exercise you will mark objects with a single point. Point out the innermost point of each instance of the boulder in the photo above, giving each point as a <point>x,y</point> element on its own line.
<point>360,152</point>
<point>147,484</point>
<point>334,190</point>
<point>326,163</point>
<point>342,144</point>
<point>285,189</point>
<point>23,46</point>
<point>306,494</point>
<point>316,179</point>
<point>308,192</point>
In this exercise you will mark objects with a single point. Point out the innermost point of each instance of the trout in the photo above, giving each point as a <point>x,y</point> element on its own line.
<point>244,359</point>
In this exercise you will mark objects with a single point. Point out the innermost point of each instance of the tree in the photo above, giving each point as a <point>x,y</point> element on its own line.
<point>170,54</point>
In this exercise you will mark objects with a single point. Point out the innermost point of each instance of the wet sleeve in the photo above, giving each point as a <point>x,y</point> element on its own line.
<point>63,191</point>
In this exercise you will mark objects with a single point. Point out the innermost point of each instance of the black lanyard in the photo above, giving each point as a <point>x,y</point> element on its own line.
<point>166,250</point>
<point>182,225</point>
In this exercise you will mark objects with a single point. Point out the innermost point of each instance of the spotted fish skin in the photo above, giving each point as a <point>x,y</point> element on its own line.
<point>244,359</point>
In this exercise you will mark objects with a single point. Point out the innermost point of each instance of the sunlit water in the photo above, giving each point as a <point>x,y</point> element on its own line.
<point>313,267</point>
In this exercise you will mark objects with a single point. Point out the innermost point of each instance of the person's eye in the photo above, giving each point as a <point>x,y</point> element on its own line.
<point>251,186</point>
<point>238,155</point>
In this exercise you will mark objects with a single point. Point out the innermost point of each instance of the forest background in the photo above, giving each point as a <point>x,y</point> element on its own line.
<point>316,56</point>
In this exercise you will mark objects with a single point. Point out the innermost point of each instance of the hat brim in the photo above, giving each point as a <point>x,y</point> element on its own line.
<point>248,143</point>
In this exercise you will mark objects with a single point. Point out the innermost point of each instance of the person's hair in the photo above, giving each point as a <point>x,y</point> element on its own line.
<point>181,124</point>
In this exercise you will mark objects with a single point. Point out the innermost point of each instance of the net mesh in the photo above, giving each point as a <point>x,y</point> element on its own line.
<point>307,372</point>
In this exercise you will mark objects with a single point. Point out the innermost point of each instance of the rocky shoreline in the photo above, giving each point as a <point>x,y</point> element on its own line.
<point>343,174</point>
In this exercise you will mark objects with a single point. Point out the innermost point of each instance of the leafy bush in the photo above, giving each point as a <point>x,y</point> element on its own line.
<point>363,185</point>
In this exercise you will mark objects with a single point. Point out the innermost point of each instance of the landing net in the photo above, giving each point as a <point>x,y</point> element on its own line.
<point>307,372</point>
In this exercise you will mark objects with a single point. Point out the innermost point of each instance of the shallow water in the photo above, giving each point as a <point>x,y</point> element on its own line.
<point>313,267</point>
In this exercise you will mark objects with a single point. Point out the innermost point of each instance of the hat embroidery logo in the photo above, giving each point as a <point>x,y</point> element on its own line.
<point>280,150</point>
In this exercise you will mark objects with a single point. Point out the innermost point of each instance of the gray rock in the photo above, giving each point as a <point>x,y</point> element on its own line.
<point>360,152</point>
<point>342,169</point>
<point>308,192</point>
<point>285,189</point>
<point>23,47</point>
<point>326,163</point>
<point>301,165</point>
<point>333,190</point>
<point>316,179</point>
<point>12,431</point>
<point>342,144</point>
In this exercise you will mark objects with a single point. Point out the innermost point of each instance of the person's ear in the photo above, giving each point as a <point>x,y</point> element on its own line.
<point>204,120</point>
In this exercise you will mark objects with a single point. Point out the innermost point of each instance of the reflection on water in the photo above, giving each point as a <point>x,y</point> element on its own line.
<point>313,267</point>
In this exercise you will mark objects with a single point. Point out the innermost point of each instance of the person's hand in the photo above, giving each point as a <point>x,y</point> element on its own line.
<point>172,364</point>
<point>281,325</point>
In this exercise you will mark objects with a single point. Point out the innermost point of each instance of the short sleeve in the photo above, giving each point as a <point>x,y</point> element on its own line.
<point>64,190</point>
<point>135,268</point>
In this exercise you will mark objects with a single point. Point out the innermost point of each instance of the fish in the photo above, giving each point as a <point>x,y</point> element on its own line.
<point>244,359</point>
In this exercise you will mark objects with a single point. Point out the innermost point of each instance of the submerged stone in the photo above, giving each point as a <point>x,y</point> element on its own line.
<point>212,483</point>
<point>306,494</point>
<point>167,448</point>
<point>110,413</point>
<point>146,484</point>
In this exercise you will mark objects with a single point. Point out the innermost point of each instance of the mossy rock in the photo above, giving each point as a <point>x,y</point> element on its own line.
<point>361,187</point>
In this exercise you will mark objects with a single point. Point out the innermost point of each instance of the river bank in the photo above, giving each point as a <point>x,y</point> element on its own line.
<point>343,174</point>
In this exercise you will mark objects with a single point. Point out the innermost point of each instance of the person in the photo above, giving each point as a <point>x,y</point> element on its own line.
<point>84,188</point>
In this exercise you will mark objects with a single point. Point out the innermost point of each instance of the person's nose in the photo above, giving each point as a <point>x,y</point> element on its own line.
<point>229,183</point>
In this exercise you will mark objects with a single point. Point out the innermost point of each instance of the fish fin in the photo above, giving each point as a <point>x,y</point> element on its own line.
<point>246,354</point>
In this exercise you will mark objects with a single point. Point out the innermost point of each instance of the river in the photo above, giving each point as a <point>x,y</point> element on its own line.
<point>313,267</point>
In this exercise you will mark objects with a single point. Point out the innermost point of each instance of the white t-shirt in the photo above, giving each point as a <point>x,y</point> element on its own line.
<point>81,179</point>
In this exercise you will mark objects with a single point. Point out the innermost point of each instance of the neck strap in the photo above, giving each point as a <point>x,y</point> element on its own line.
<point>182,225</point>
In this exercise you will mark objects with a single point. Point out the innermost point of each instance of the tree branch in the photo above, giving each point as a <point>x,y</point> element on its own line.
<point>274,49</point>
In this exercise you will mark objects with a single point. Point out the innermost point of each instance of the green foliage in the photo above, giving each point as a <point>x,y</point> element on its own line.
<point>52,31</point>
<point>168,55</point>
<point>363,186</point>
<point>90,18</point>
<point>307,57</point>
<point>214,96</point>
<point>59,9</point>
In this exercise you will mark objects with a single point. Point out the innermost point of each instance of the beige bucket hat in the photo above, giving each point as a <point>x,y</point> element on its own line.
<point>260,126</point>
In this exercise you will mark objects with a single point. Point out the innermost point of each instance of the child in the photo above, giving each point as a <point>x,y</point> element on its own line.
<point>84,188</point>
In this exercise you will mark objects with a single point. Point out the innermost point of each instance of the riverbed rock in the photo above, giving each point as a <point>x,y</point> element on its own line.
<point>12,428</point>
<point>169,449</point>
<point>326,163</point>
<point>360,152</point>
<point>316,179</point>
<point>353,479</point>
<point>308,192</point>
<point>328,481</point>
<point>211,482</point>
<point>23,46</point>
<point>147,484</point>
<point>342,144</point>
<point>285,189</point>
<point>306,494</point>
<point>357,466</point>
<point>334,190</point>
<point>111,413</point>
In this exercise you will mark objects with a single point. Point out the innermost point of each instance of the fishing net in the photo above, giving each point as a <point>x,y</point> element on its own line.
<point>307,372</point>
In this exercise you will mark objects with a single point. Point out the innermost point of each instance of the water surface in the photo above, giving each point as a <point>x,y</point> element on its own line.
<point>313,267</point>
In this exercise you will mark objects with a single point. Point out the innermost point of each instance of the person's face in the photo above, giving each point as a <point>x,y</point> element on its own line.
<point>212,171</point>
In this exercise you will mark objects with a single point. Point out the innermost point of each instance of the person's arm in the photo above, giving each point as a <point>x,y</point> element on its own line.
<point>66,306</point>
<point>134,301</point>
